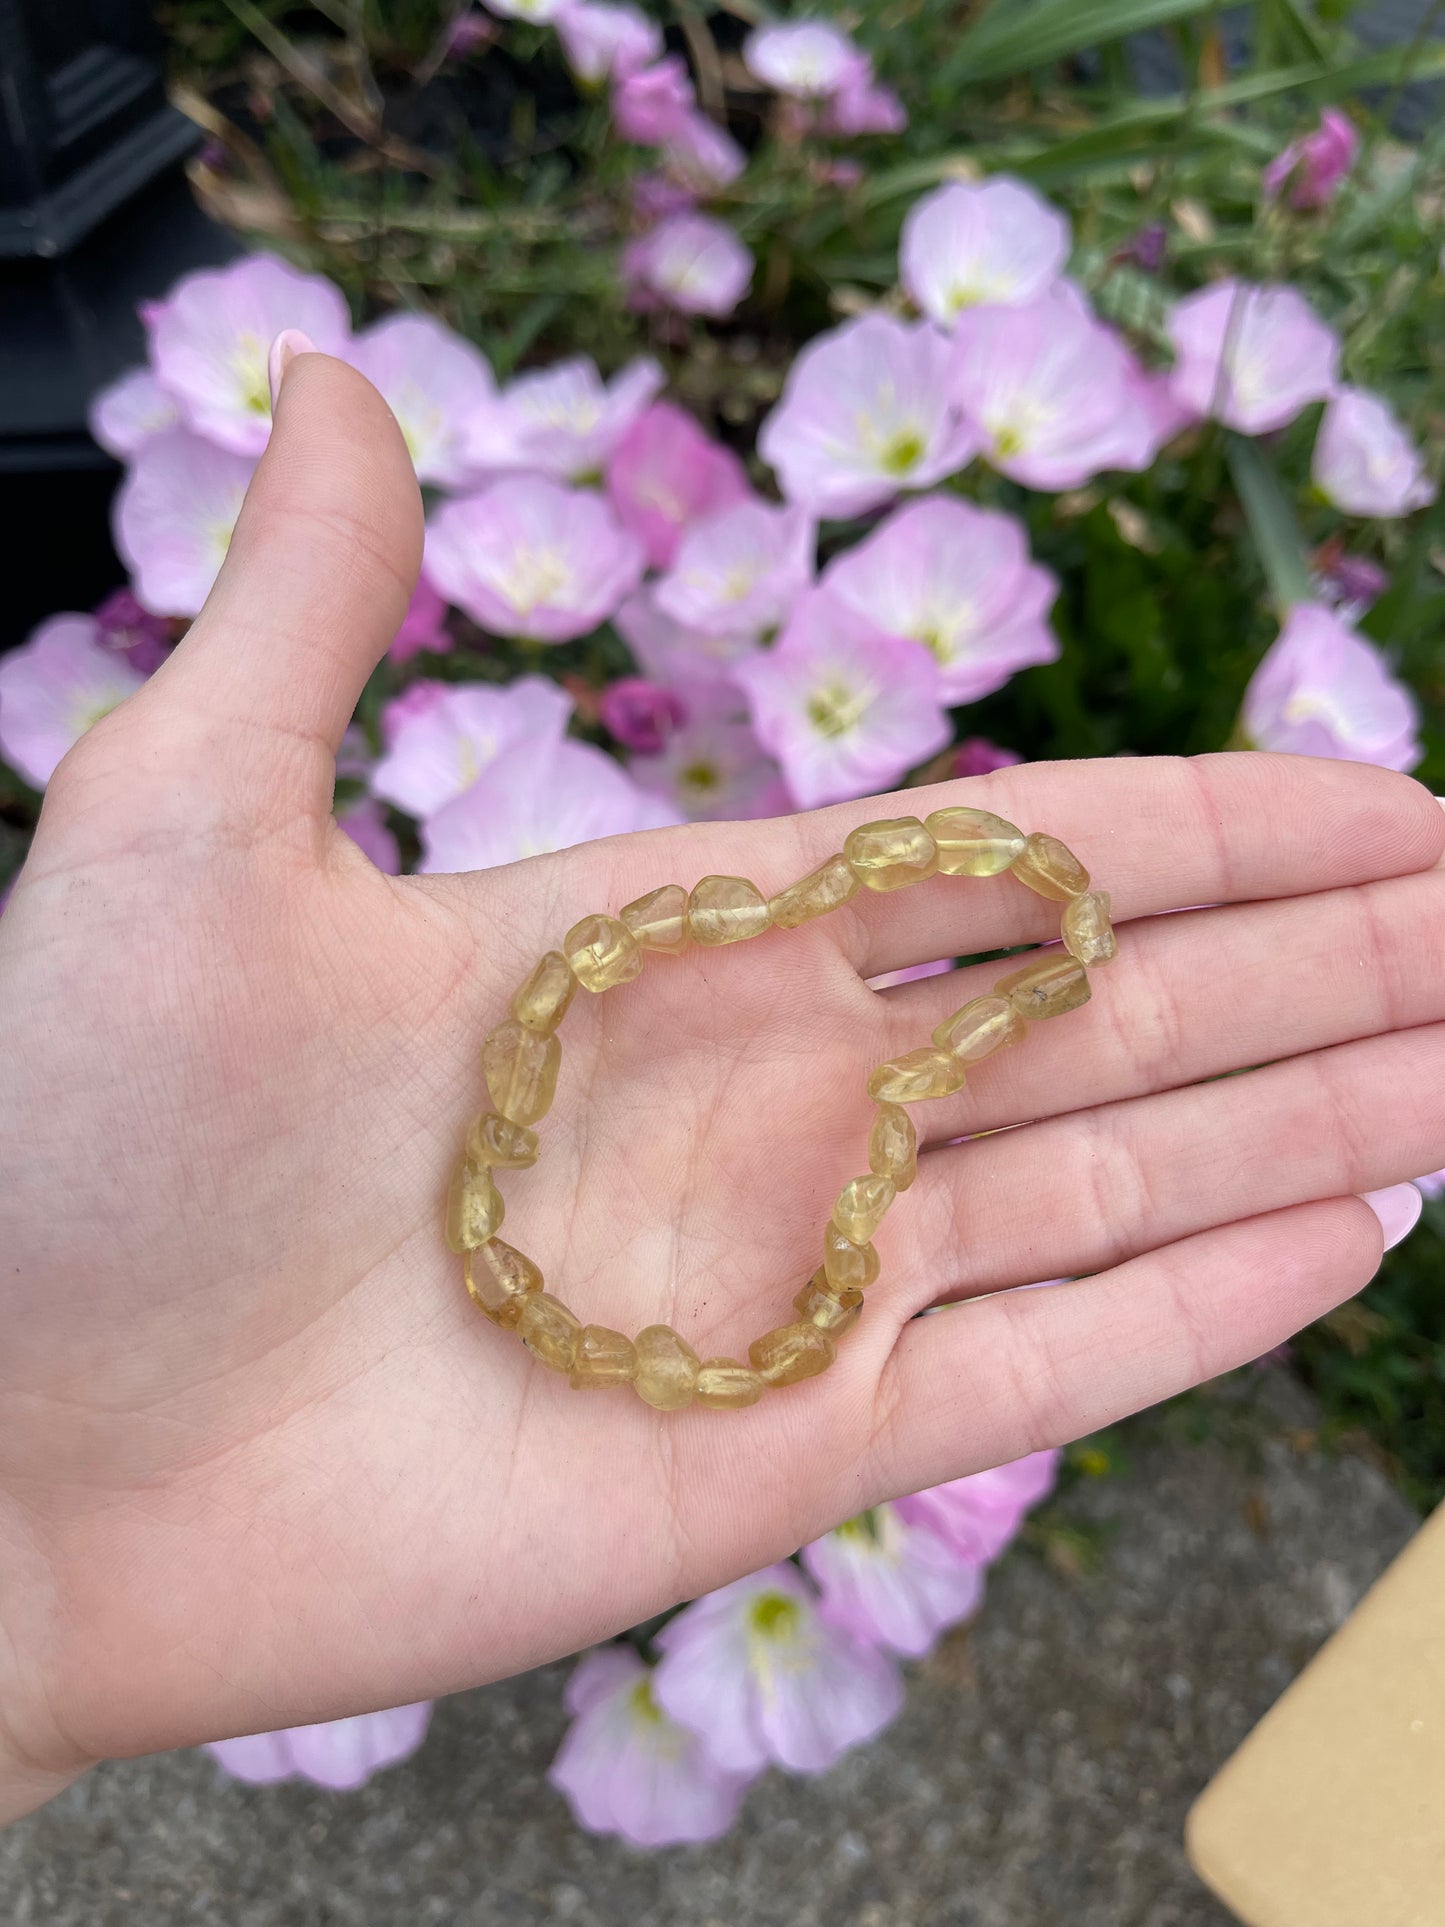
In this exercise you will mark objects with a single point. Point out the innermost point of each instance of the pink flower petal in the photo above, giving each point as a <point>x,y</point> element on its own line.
<point>535,797</point>
<point>975,243</point>
<point>1251,356</point>
<point>866,413</point>
<point>845,709</point>
<point>529,559</point>
<point>1323,690</point>
<point>60,681</point>
<point>174,516</point>
<point>210,338</point>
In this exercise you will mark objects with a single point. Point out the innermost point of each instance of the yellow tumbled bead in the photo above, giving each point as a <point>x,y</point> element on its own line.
<point>974,843</point>
<point>521,1069</point>
<point>893,1146</point>
<point>827,888</point>
<point>474,1206</point>
<point>1088,931</point>
<point>1051,869</point>
<point>667,1368</point>
<point>792,1353</point>
<point>848,1267</point>
<point>727,909</point>
<point>984,1025</point>
<point>602,952</point>
<point>659,920</point>
<point>891,853</point>
<point>549,1331</point>
<point>861,1206</point>
<point>1048,988</point>
<point>496,1141</point>
<point>727,1386</point>
<point>604,1358</point>
<point>541,1003</point>
<point>499,1278</point>
<point>916,1075</point>
<point>831,1311</point>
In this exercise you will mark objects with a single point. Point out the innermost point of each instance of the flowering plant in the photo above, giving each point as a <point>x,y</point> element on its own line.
<point>900,466</point>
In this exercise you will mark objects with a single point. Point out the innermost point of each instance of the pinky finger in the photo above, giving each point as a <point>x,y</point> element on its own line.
<point>987,1381</point>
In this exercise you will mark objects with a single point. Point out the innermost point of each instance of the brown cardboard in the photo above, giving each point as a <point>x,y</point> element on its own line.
<point>1332,1813</point>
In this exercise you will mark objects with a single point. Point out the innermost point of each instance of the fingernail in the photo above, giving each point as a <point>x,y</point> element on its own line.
<point>284,350</point>
<point>1398,1208</point>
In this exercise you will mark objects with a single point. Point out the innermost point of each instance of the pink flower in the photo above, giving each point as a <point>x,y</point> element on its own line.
<point>865,412</point>
<point>1251,356</point>
<point>60,681</point>
<point>665,473</point>
<point>977,756</point>
<point>703,155</point>
<point>759,1675</point>
<point>652,105</point>
<point>641,715</point>
<point>210,338</point>
<point>673,654</point>
<point>365,824</point>
<point>174,516</point>
<point>738,571</point>
<point>562,421</point>
<point>1364,462</point>
<point>130,411</point>
<point>423,627</point>
<point>808,59</point>
<point>432,381</point>
<point>625,1767</point>
<point>1313,166</point>
<point>689,262</point>
<point>891,1583</point>
<point>1432,1185</point>
<point>958,580</point>
<point>606,41</point>
<point>1052,395</point>
<point>864,106</point>
<point>528,559</point>
<point>713,769</point>
<point>133,632</point>
<point>539,795</point>
<point>441,736</point>
<point>1398,1208</point>
<point>977,1516</point>
<point>986,243</point>
<point>1322,690</point>
<point>340,1754</point>
<point>844,709</point>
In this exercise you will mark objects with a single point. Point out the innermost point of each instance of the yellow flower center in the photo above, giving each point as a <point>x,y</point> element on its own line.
<point>643,1706</point>
<point>773,1615</point>
<point>835,709</point>
<point>901,452</point>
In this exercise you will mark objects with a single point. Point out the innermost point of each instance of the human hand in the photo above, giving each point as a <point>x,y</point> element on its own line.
<point>261,1461</point>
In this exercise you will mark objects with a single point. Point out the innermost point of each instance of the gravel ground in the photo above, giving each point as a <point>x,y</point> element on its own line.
<point>1039,1777</point>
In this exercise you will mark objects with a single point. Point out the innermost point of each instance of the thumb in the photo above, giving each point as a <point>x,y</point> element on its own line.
<point>316,581</point>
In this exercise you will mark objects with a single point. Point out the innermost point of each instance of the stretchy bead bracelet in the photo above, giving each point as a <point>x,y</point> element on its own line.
<point>522,1056</point>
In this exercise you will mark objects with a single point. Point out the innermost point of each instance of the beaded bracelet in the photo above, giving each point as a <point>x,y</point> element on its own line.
<point>522,1056</point>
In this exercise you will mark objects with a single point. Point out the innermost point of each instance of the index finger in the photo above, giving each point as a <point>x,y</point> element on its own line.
<point>1158,833</point>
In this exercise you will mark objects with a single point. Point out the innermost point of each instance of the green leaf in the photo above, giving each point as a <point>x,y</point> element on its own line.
<point>1011,37</point>
<point>1271,520</point>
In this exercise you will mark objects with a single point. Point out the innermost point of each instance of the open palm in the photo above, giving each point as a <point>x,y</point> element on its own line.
<point>261,1462</point>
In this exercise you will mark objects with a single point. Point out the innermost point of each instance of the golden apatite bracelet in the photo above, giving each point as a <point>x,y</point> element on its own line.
<point>522,1056</point>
